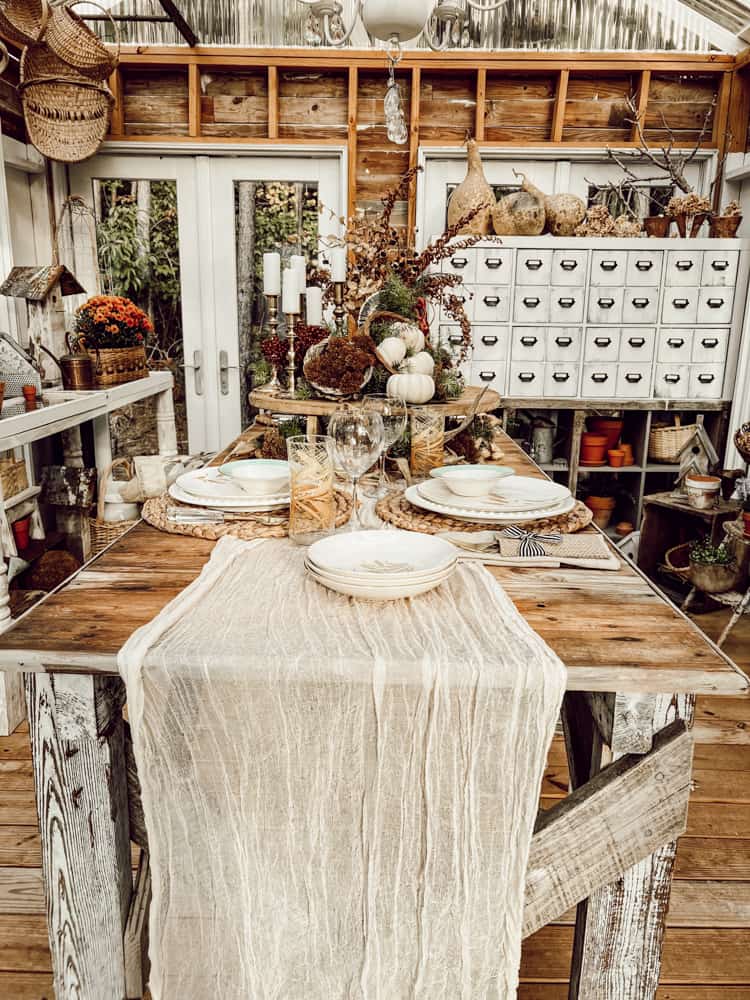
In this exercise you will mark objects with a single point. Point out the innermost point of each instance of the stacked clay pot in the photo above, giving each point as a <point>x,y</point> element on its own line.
<point>593,449</point>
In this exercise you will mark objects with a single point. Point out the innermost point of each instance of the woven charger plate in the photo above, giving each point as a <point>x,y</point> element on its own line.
<point>155,513</point>
<point>397,509</point>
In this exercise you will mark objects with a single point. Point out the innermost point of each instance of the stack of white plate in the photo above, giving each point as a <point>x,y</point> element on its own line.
<point>512,500</point>
<point>381,565</point>
<point>213,489</point>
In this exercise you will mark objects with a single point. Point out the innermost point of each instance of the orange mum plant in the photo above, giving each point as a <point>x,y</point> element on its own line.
<point>108,321</point>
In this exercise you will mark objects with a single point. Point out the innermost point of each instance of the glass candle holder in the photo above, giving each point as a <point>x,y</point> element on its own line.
<point>427,440</point>
<point>312,504</point>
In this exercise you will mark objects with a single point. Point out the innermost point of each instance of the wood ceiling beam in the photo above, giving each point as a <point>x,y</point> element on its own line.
<point>175,15</point>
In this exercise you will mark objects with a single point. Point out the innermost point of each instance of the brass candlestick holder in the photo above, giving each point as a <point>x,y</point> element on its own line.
<point>274,386</point>
<point>291,381</point>
<point>339,312</point>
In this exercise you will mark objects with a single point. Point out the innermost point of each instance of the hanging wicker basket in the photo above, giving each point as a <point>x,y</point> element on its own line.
<point>116,365</point>
<point>24,21</point>
<point>665,443</point>
<point>38,63</point>
<point>103,533</point>
<point>66,119</point>
<point>71,39</point>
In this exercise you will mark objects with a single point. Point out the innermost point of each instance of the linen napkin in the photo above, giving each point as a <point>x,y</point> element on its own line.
<point>586,550</point>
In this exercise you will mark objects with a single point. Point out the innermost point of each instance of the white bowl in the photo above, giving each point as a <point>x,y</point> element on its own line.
<point>373,592</point>
<point>258,476</point>
<point>399,555</point>
<point>471,480</point>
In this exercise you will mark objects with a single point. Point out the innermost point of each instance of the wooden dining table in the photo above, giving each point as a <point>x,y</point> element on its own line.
<point>635,664</point>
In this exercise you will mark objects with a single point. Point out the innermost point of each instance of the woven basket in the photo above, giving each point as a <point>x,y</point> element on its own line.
<point>66,119</point>
<point>666,442</point>
<point>103,533</point>
<point>71,39</point>
<point>115,365</point>
<point>677,560</point>
<point>39,63</point>
<point>23,21</point>
<point>13,477</point>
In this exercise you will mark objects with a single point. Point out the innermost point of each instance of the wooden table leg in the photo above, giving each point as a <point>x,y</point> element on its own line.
<point>77,742</point>
<point>313,426</point>
<point>166,428</point>
<point>620,929</point>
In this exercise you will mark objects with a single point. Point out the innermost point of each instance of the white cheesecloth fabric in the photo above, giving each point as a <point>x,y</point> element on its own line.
<point>339,795</point>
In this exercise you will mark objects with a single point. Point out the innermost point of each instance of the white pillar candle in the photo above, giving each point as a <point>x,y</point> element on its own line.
<point>314,297</point>
<point>290,292</point>
<point>271,274</point>
<point>338,264</point>
<point>299,265</point>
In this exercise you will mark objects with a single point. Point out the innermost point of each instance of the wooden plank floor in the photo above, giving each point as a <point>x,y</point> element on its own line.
<point>707,947</point>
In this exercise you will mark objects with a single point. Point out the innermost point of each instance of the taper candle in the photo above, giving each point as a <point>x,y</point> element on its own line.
<point>338,264</point>
<point>271,274</point>
<point>299,265</point>
<point>290,303</point>
<point>314,299</point>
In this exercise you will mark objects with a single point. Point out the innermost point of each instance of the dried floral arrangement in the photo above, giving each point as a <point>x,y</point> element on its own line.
<point>732,209</point>
<point>688,204</point>
<point>343,364</point>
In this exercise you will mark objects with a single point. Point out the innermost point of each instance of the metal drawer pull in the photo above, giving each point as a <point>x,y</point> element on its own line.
<point>608,265</point>
<point>532,303</point>
<point>563,341</point>
<point>568,265</point>
<point>455,338</point>
<point>599,377</point>
<point>641,303</point>
<point>684,265</point>
<point>675,341</point>
<point>602,341</point>
<point>534,264</point>
<point>561,376</point>
<point>710,342</point>
<point>491,300</point>
<point>489,340</point>
<point>680,303</point>
<point>566,303</point>
<point>715,303</point>
<point>644,265</point>
<point>706,379</point>
<point>529,341</point>
<point>459,262</point>
<point>637,341</point>
<point>720,265</point>
<point>526,376</point>
<point>605,303</point>
<point>487,376</point>
<point>672,379</point>
<point>493,263</point>
<point>633,377</point>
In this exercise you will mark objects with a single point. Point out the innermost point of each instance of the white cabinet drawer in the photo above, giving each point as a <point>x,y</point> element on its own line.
<point>526,378</point>
<point>533,267</point>
<point>706,381</point>
<point>451,339</point>
<point>490,343</point>
<point>680,305</point>
<point>719,267</point>
<point>710,346</point>
<point>462,263</point>
<point>633,381</point>
<point>684,267</point>
<point>494,267</point>
<point>715,305</point>
<point>675,346</point>
<point>561,379</point>
<point>637,345</point>
<point>602,344</point>
<point>528,343</point>
<point>672,382</point>
<point>599,380</point>
<point>489,373</point>
<point>566,305</point>
<point>463,294</point>
<point>608,267</point>
<point>532,304</point>
<point>569,267</point>
<point>641,305</point>
<point>605,304</point>
<point>564,343</point>
<point>644,267</point>
<point>492,303</point>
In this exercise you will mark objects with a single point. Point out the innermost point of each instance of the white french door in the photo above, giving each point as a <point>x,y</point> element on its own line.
<point>212,210</point>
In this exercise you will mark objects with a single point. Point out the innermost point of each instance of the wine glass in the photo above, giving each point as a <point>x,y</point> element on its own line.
<point>358,436</point>
<point>394,413</point>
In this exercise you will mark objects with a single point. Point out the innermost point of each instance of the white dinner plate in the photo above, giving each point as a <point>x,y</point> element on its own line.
<point>381,579</point>
<point>248,505</point>
<point>437,492</point>
<point>213,485</point>
<point>489,517</point>
<point>372,592</point>
<point>405,553</point>
<point>529,489</point>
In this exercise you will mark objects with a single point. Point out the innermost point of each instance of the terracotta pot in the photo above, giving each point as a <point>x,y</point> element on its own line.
<point>697,223</point>
<point>702,491</point>
<point>616,457</point>
<point>610,427</point>
<point>713,579</point>
<point>593,449</point>
<point>624,528</point>
<point>21,532</point>
<point>657,225</point>
<point>746,522</point>
<point>627,450</point>
<point>681,222</point>
<point>724,226</point>
<point>602,508</point>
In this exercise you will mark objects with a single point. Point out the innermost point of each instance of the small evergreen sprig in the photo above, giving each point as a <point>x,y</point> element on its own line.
<point>706,553</point>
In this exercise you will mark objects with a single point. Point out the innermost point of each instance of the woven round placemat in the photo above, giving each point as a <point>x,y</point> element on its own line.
<point>398,511</point>
<point>155,513</point>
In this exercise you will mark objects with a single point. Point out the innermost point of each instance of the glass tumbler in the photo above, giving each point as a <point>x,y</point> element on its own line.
<point>427,440</point>
<point>312,503</point>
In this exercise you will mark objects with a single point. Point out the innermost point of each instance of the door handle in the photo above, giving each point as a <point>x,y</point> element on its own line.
<point>198,372</point>
<point>224,373</point>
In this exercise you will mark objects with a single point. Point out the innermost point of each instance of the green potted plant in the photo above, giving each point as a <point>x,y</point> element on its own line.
<point>713,568</point>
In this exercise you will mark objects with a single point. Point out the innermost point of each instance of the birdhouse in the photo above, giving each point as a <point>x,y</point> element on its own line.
<point>44,289</point>
<point>698,456</point>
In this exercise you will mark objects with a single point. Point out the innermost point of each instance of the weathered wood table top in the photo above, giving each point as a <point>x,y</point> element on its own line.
<point>490,400</point>
<point>614,631</point>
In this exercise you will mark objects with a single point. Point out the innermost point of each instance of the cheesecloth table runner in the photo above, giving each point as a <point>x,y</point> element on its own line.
<point>339,795</point>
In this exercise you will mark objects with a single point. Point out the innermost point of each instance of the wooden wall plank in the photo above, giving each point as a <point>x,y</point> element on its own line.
<point>352,91</point>
<point>155,102</point>
<point>313,104</point>
<point>644,88</point>
<point>235,104</point>
<point>721,116</point>
<point>519,107</point>
<point>480,110</point>
<point>117,115</point>
<point>194,100</point>
<point>273,102</point>
<point>561,97</point>
<point>596,107</point>
<point>739,113</point>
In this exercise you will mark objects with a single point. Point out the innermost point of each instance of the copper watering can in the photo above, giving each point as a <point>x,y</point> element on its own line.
<point>76,367</point>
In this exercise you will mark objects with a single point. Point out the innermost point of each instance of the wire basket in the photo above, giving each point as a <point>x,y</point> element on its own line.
<point>66,119</point>
<point>104,533</point>
<point>23,21</point>
<point>71,39</point>
<point>665,442</point>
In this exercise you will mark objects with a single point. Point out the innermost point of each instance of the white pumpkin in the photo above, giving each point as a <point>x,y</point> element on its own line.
<point>392,350</point>
<point>419,364</point>
<point>411,388</point>
<point>411,335</point>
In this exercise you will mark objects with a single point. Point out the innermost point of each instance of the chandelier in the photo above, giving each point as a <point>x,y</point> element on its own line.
<point>440,22</point>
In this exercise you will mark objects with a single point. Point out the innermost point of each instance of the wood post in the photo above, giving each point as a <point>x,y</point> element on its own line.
<point>351,133</point>
<point>166,429</point>
<point>558,115</point>
<point>273,102</point>
<point>77,743</point>
<point>194,100</point>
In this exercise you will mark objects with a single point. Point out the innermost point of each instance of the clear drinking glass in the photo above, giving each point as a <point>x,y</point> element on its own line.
<point>427,440</point>
<point>358,437</point>
<point>312,504</point>
<point>393,413</point>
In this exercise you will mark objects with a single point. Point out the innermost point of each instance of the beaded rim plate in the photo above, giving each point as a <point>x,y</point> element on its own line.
<point>233,506</point>
<point>414,497</point>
